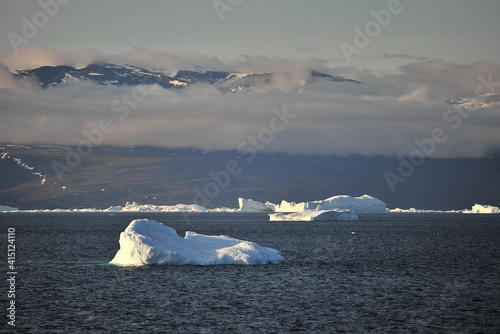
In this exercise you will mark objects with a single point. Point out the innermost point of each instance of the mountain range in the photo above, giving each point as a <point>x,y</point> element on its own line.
<point>474,102</point>
<point>118,75</point>
<point>225,81</point>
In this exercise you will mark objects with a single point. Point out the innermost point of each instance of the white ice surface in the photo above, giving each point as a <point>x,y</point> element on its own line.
<point>313,215</point>
<point>414,210</point>
<point>136,207</point>
<point>249,205</point>
<point>365,203</point>
<point>480,208</point>
<point>148,242</point>
<point>477,208</point>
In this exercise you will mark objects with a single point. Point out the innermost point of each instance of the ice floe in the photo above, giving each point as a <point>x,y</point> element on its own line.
<point>313,215</point>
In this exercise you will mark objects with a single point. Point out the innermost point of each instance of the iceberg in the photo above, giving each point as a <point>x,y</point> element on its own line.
<point>4,208</point>
<point>480,208</point>
<point>136,207</point>
<point>146,242</point>
<point>477,208</point>
<point>249,205</point>
<point>414,210</point>
<point>365,203</point>
<point>313,215</point>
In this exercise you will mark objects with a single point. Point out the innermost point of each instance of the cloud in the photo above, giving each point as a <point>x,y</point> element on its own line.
<point>28,57</point>
<point>301,48</point>
<point>5,77</point>
<point>449,79</point>
<point>405,56</point>
<point>389,115</point>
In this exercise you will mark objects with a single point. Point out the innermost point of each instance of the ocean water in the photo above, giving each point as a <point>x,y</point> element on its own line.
<point>408,273</point>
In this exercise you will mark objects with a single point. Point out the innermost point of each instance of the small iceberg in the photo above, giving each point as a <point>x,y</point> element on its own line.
<point>313,215</point>
<point>5,208</point>
<point>147,242</point>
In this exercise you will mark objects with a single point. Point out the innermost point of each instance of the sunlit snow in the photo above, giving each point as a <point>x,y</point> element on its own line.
<point>365,203</point>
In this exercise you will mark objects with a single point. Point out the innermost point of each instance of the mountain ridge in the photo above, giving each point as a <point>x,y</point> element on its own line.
<point>118,75</point>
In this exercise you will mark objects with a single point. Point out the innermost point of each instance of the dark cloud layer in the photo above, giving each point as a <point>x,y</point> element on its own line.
<point>387,116</point>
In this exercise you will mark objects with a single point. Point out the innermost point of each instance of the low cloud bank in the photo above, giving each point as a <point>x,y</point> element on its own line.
<point>389,115</point>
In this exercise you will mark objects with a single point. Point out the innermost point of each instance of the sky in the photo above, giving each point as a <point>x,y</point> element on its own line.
<point>459,31</point>
<point>412,55</point>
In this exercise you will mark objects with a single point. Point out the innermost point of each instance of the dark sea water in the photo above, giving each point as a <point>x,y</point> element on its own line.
<point>397,273</point>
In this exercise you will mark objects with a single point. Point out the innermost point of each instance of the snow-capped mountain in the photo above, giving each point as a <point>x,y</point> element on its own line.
<point>111,74</point>
<point>474,102</point>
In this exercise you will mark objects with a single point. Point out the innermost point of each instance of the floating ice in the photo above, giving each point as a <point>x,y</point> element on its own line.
<point>148,242</point>
<point>249,205</point>
<point>414,210</point>
<point>4,208</point>
<point>136,207</point>
<point>365,203</point>
<point>310,215</point>
<point>479,208</point>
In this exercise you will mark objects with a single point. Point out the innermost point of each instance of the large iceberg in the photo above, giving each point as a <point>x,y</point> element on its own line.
<point>365,203</point>
<point>148,242</point>
<point>480,208</point>
<point>313,215</point>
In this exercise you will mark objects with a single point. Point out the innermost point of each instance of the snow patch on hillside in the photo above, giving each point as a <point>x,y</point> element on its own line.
<point>20,162</point>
